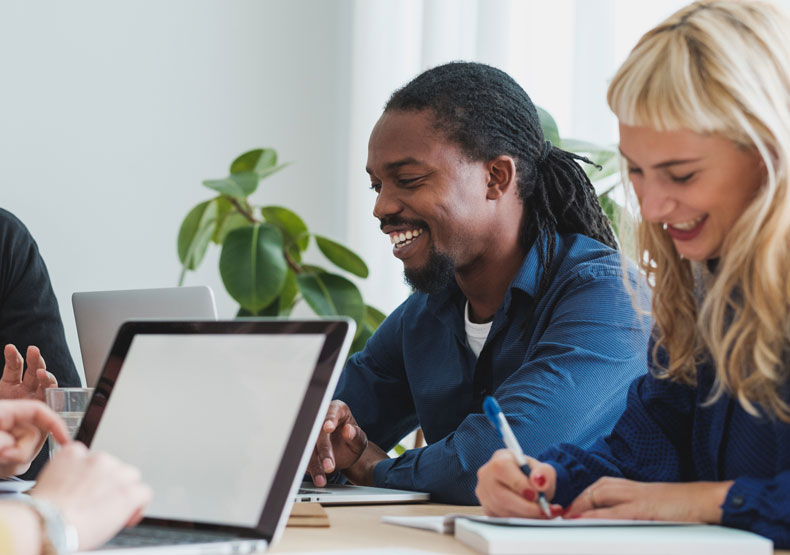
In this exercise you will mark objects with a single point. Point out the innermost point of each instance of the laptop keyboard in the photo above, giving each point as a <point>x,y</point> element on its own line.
<point>145,535</point>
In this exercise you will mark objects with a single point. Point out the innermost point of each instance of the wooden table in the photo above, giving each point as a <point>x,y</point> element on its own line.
<point>359,527</point>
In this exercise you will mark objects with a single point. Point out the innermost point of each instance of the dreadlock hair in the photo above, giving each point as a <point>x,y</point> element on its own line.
<point>486,113</point>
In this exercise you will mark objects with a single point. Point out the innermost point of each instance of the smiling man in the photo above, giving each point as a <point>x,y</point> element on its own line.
<point>519,293</point>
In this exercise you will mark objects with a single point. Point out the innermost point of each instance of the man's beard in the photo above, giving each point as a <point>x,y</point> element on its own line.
<point>432,277</point>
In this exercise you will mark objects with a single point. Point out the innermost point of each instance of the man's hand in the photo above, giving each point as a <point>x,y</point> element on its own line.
<point>627,499</point>
<point>361,472</point>
<point>24,426</point>
<point>36,380</point>
<point>340,444</point>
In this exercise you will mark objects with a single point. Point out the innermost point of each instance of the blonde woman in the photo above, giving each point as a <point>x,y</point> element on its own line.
<point>703,102</point>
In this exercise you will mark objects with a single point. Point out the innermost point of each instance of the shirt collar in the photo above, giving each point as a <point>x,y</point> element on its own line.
<point>527,279</point>
<point>530,274</point>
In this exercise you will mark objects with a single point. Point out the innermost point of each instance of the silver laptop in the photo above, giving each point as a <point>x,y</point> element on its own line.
<point>99,314</point>
<point>220,418</point>
<point>347,494</point>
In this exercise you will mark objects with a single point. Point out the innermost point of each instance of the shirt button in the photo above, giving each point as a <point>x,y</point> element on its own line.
<point>738,500</point>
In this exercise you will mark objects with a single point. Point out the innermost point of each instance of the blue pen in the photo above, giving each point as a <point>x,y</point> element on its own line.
<point>499,422</point>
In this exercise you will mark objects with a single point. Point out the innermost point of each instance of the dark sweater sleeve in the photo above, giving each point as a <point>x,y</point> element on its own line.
<point>29,313</point>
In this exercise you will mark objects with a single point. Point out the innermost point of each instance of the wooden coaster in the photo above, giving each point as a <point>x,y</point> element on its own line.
<point>308,515</point>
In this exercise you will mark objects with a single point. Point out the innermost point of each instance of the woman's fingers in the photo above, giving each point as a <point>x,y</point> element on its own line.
<point>504,490</point>
<point>606,492</point>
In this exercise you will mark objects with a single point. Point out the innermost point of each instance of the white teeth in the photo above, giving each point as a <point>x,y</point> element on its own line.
<point>686,226</point>
<point>403,238</point>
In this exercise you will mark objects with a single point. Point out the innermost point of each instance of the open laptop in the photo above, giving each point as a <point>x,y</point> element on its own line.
<point>220,418</point>
<point>99,314</point>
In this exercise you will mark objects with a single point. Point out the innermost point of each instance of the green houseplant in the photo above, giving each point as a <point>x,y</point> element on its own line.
<point>261,262</point>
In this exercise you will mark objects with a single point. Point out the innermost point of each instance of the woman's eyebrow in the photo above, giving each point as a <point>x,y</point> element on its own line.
<point>666,163</point>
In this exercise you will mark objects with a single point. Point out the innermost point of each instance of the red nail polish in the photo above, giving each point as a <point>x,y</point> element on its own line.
<point>556,511</point>
<point>540,481</point>
<point>529,495</point>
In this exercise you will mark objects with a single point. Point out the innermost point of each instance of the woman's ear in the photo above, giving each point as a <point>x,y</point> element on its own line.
<point>501,176</point>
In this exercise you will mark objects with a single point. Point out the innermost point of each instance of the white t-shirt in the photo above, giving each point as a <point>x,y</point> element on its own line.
<point>476,334</point>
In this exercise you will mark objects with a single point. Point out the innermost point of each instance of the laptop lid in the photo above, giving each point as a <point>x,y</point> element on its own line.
<point>99,314</point>
<point>220,417</point>
<point>348,494</point>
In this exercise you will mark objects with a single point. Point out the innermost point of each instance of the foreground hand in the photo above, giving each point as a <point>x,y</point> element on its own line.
<point>626,499</point>
<point>36,379</point>
<point>504,490</point>
<point>24,426</point>
<point>96,493</point>
<point>340,443</point>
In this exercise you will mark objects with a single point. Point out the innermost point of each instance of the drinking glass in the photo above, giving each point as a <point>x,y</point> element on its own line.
<point>70,404</point>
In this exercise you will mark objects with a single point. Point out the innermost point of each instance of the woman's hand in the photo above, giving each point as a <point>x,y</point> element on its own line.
<point>36,380</point>
<point>625,499</point>
<point>505,491</point>
<point>24,426</point>
<point>96,493</point>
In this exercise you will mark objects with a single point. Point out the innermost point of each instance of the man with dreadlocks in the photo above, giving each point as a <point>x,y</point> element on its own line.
<point>519,293</point>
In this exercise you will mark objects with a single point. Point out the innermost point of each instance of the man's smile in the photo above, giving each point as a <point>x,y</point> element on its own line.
<point>405,241</point>
<point>402,238</point>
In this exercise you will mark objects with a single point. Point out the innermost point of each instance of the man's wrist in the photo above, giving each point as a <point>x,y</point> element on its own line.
<point>361,472</point>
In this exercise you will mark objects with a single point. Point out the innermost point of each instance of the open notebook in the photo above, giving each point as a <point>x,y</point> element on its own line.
<point>589,536</point>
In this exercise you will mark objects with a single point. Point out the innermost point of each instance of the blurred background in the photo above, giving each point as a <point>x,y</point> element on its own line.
<point>112,113</point>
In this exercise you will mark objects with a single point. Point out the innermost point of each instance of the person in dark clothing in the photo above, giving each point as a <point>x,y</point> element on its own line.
<point>29,318</point>
<point>519,293</point>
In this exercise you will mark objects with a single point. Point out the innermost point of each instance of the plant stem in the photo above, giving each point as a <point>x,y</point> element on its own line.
<point>294,266</point>
<point>243,210</point>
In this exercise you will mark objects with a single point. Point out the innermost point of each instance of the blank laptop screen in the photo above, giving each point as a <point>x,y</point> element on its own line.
<point>206,419</point>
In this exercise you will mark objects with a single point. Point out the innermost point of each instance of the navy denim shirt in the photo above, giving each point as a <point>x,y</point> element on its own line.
<point>559,365</point>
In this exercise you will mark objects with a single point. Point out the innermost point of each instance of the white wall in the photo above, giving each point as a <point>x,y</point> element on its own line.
<point>111,114</point>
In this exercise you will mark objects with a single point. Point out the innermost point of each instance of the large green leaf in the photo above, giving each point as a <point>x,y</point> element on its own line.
<point>342,256</point>
<point>550,131</point>
<point>293,227</point>
<point>288,294</point>
<point>232,221</point>
<point>373,317</point>
<point>224,209</point>
<point>194,235</point>
<point>612,211</point>
<point>331,295</point>
<point>228,219</point>
<point>261,161</point>
<point>252,265</point>
<point>363,334</point>
<point>239,185</point>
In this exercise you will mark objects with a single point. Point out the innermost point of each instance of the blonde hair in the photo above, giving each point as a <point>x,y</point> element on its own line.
<point>721,67</point>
